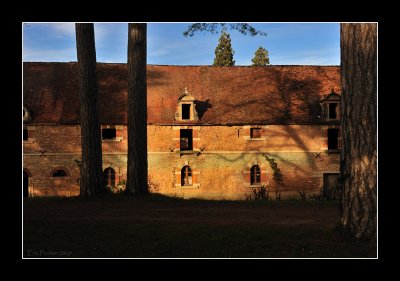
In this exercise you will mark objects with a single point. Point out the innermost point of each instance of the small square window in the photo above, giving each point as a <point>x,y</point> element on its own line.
<point>108,134</point>
<point>255,133</point>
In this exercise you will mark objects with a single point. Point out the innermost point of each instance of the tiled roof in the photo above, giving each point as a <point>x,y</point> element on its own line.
<point>224,95</point>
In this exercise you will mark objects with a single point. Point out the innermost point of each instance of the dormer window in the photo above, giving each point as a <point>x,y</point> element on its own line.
<point>26,114</point>
<point>185,109</point>
<point>333,110</point>
<point>331,107</point>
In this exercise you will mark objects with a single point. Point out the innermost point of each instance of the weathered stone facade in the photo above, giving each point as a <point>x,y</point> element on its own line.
<point>293,128</point>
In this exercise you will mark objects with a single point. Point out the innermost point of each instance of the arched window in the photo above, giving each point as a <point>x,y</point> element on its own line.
<point>255,175</point>
<point>109,176</point>
<point>186,176</point>
<point>59,174</point>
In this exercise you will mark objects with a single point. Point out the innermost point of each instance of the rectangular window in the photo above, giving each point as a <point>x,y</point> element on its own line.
<point>331,187</point>
<point>255,175</point>
<point>186,176</point>
<point>186,137</point>
<point>333,107</point>
<point>255,133</point>
<point>333,139</point>
<point>25,134</point>
<point>185,111</point>
<point>108,134</point>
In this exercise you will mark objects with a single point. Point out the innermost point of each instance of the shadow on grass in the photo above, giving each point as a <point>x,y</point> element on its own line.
<point>157,226</point>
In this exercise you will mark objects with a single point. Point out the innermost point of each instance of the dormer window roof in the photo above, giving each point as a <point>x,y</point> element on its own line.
<point>186,110</point>
<point>26,114</point>
<point>331,107</point>
<point>332,97</point>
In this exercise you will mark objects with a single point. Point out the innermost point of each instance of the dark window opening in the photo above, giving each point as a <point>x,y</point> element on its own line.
<point>186,139</point>
<point>255,175</point>
<point>25,134</point>
<point>26,184</point>
<point>333,138</point>
<point>59,173</point>
<point>109,177</point>
<point>185,111</point>
<point>108,134</point>
<point>333,107</point>
<point>186,176</point>
<point>331,186</point>
<point>255,133</point>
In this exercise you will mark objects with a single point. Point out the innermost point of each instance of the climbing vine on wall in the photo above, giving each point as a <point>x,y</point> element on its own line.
<point>277,174</point>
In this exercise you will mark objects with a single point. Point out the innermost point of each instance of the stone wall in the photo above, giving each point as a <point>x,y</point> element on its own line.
<point>220,165</point>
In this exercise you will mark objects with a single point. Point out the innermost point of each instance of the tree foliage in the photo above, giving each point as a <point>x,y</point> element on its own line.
<point>223,51</point>
<point>243,28</point>
<point>260,57</point>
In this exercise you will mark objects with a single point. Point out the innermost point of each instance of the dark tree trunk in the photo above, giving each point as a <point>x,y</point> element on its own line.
<point>137,109</point>
<point>91,181</point>
<point>359,125</point>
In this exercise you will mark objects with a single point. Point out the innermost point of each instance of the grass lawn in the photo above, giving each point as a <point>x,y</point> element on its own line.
<point>160,227</point>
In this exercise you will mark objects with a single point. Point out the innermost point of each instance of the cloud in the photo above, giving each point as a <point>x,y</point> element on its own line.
<point>323,56</point>
<point>160,50</point>
<point>101,31</point>
<point>64,29</point>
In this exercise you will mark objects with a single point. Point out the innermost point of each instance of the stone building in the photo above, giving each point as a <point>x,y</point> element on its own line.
<point>209,129</point>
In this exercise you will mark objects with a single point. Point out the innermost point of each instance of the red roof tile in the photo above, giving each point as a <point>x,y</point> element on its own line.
<point>224,95</point>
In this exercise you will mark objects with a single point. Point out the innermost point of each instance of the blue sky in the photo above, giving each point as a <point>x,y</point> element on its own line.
<point>287,43</point>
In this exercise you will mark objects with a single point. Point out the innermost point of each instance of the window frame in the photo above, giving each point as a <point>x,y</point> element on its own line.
<point>338,139</point>
<point>25,134</point>
<point>255,174</point>
<point>110,174</point>
<point>185,177</point>
<point>336,111</point>
<point>188,107</point>
<point>189,140</point>
<point>258,135</point>
<point>109,129</point>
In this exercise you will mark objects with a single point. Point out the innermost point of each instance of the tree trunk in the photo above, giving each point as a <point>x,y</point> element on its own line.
<point>137,109</point>
<point>91,181</point>
<point>359,126</point>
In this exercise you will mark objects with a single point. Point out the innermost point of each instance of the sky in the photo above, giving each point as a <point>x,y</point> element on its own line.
<point>287,43</point>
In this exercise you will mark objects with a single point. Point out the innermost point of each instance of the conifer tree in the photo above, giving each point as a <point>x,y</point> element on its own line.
<point>224,52</point>
<point>358,47</point>
<point>260,57</point>
<point>91,182</point>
